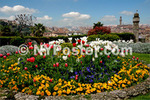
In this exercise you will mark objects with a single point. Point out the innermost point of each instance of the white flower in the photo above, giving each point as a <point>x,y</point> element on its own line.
<point>64,57</point>
<point>93,59</point>
<point>18,60</point>
<point>70,39</point>
<point>108,47</point>
<point>123,41</point>
<point>122,54</point>
<point>77,60</point>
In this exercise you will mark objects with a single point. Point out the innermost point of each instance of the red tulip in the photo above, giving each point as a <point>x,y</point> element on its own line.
<point>108,56</point>
<point>54,65</point>
<point>31,47</point>
<point>102,49</point>
<point>8,54</point>
<point>101,61</point>
<point>76,75</point>
<point>28,59</point>
<point>74,44</point>
<point>1,55</point>
<point>50,80</point>
<point>81,62</point>
<point>76,78</point>
<point>79,41</point>
<point>83,56</point>
<point>34,80</point>
<point>29,43</point>
<point>26,68</point>
<point>83,42</point>
<point>133,57</point>
<point>66,65</point>
<point>87,45</point>
<point>137,58</point>
<point>36,66</point>
<point>11,67</point>
<point>16,52</point>
<point>69,55</point>
<point>51,46</point>
<point>32,59</point>
<point>54,42</point>
<point>57,64</point>
<point>83,51</point>
<point>36,55</point>
<point>138,64</point>
<point>4,57</point>
<point>44,56</point>
<point>47,45</point>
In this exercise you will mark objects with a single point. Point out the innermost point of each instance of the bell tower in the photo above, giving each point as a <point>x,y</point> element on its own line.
<point>120,20</point>
<point>136,20</point>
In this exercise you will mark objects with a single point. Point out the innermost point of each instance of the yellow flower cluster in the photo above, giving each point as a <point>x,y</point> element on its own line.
<point>43,87</point>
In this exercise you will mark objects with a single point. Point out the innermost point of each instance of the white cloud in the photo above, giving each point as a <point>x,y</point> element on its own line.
<point>84,16</point>
<point>128,13</point>
<point>75,19</point>
<point>109,18</point>
<point>46,17</point>
<point>77,16</point>
<point>17,10</point>
<point>71,14</point>
<point>45,20</point>
<point>8,18</point>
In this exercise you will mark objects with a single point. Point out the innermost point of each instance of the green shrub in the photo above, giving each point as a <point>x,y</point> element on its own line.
<point>5,40</point>
<point>125,36</point>
<point>103,37</point>
<point>69,45</point>
<point>109,37</point>
<point>92,37</point>
<point>17,41</point>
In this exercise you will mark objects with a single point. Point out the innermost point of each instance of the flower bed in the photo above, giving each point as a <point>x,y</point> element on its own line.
<point>72,74</point>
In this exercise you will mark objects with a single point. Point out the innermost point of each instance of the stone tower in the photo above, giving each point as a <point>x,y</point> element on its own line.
<point>120,20</point>
<point>136,20</point>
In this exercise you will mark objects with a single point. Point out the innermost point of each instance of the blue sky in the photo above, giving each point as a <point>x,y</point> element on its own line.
<point>77,12</point>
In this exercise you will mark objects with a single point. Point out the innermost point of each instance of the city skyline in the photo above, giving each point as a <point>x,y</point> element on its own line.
<point>62,13</point>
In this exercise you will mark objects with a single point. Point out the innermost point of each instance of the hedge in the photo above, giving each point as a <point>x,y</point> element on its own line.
<point>16,40</point>
<point>109,37</point>
<point>125,36</point>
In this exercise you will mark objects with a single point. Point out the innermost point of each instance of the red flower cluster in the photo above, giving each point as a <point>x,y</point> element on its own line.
<point>32,59</point>
<point>99,30</point>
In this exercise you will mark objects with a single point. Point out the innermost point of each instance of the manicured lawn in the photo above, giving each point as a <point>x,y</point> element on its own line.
<point>144,57</point>
<point>141,97</point>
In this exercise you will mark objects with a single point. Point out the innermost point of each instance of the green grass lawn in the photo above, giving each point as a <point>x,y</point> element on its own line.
<point>144,57</point>
<point>141,97</point>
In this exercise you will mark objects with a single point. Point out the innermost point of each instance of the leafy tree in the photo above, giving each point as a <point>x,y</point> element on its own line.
<point>38,29</point>
<point>98,28</point>
<point>24,21</point>
<point>5,30</point>
<point>98,24</point>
